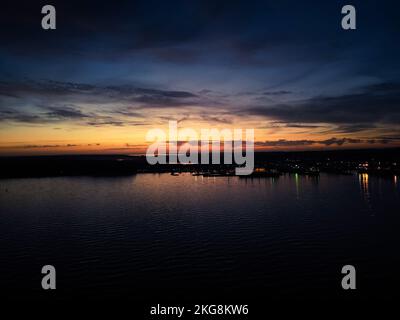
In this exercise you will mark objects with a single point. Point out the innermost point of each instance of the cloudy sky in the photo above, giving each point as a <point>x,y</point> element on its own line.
<point>110,72</point>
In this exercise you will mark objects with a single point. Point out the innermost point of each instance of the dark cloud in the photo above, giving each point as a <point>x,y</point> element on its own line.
<point>52,101</point>
<point>389,138</point>
<point>90,93</point>
<point>284,142</point>
<point>353,128</point>
<point>34,146</point>
<point>216,119</point>
<point>128,112</point>
<point>372,104</point>
<point>54,91</point>
<point>307,126</point>
<point>182,32</point>
<point>326,142</point>
<point>280,124</point>
<point>65,113</point>
<point>12,115</point>
<point>53,114</point>
<point>104,121</point>
<point>276,93</point>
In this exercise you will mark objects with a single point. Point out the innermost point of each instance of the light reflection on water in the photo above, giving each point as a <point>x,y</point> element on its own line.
<point>286,234</point>
<point>364,187</point>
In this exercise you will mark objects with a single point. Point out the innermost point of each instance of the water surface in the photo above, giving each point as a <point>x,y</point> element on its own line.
<point>182,235</point>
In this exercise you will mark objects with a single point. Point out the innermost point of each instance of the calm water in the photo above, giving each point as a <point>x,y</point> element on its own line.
<point>157,234</point>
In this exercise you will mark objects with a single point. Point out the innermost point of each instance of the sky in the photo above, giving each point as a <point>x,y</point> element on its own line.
<point>112,71</point>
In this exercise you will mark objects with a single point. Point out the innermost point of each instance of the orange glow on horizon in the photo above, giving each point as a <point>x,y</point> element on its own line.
<point>65,138</point>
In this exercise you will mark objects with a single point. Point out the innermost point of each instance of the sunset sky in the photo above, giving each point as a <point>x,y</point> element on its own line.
<point>110,72</point>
